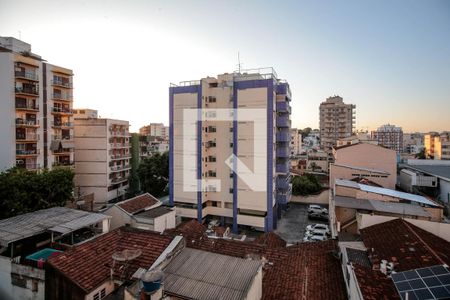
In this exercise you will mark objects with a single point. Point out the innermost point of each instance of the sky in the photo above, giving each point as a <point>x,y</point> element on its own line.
<point>390,58</point>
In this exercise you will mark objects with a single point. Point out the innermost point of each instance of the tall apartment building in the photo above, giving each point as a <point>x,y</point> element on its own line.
<point>102,157</point>
<point>36,109</point>
<point>296,142</point>
<point>232,201</point>
<point>155,129</point>
<point>337,121</point>
<point>437,146</point>
<point>389,136</point>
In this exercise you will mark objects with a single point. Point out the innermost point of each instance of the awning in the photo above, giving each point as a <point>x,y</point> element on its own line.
<point>55,145</point>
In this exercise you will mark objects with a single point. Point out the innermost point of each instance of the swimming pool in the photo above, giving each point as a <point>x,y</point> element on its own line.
<point>43,254</point>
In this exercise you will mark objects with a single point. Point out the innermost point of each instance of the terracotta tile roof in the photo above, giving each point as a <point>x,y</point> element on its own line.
<point>305,271</point>
<point>271,240</point>
<point>404,244</point>
<point>138,203</point>
<point>89,264</point>
<point>289,272</point>
<point>374,285</point>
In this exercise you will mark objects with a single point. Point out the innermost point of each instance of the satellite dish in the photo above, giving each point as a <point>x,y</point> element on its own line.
<point>127,254</point>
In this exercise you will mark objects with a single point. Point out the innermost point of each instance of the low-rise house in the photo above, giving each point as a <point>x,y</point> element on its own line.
<point>363,160</point>
<point>95,269</point>
<point>397,260</point>
<point>351,198</point>
<point>143,211</point>
<point>27,241</point>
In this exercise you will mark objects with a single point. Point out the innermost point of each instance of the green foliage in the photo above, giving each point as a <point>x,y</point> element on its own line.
<point>305,185</point>
<point>305,131</point>
<point>421,154</point>
<point>154,174</point>
<point>24,191</point>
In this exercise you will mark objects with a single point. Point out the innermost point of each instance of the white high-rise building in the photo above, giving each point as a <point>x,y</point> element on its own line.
<point>389,136</point>
<point>36,109</point>
<point>296,142</point>
<point>236,203</point>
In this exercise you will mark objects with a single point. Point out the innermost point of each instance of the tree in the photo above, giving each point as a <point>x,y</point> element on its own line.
<point>24,191</point>
<point>421,154</point>
<point>305,185</point>
<point>154,174</point>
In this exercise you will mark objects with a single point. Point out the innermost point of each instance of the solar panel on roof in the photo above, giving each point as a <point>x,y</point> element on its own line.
<point>425,283</point>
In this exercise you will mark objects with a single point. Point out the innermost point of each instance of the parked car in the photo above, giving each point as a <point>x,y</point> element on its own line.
<point>315,238</point>
<point>317,232</point>
<point>313,227</point>
<point>322,216</point>
<point>313,208</point>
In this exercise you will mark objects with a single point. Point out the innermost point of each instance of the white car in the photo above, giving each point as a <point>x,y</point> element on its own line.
<point>316,232</point>
<point>318,227</point>
<point>314,238</point>
<point>313,208</point>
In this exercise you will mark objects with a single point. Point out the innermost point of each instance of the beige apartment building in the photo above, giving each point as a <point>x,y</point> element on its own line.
<point>389,136</point>
<point>337,121</point>
<point>365,161</point>
<point>155,129</point>
<point>102,157</point>
<point>36,109</point>
<point>437,146</point>
<point>296,142</point>
<point>231,201</point>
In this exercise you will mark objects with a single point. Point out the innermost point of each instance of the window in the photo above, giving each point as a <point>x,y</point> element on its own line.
<point>211,159</point>
<point>212,129</point>
<point>211,173</point>
<point>34,285</point>
<point>211,99</point>
<point>100,295</point>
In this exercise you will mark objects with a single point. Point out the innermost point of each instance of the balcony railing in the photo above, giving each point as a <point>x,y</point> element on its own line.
<point>63,151</point>
<point>59,96</point>
<point>66,84</point>
<point>63,163</point>
<point>283,106</point>
<point>283,137</point>
<point>62,137</point>
<point>120,145</point>
<point>119,133</point>
<point>25,122</point>
<point>62,124</point>
<point>283,121</point>
<point>282,183</point>
<point>28,166</point>
<point>27,152</point>
<point>120,168</point>
<point>31,75</point>
<point>120,156</point>
<point>26,90</point>
<point>27,137</point>
<point>282,167</point>
<point>283,152</point>
<point>62,110</point>
<point>27,106</point>
<point>118,179</point>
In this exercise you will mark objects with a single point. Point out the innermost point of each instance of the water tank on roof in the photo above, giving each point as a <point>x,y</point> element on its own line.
<point>152,280</point>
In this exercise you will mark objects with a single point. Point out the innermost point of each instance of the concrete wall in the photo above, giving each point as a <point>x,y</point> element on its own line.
<point>28,274</point>
<point>338,172</point>
<point>164,222</point>
<point>255,290</point>
<point>371,157</point>
<point>108,286</point>
<point>119,217</point>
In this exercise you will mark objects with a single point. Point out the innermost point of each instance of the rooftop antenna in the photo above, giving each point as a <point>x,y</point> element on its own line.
<point>239,63</point>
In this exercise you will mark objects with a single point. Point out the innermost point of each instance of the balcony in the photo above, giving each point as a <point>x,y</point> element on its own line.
<point>283,152</point>
<point>62,137</point>
<point>283,137</point>
<point>120,168</point>
<point>29,75</point>
<point>118,180</point>
<point>61,124</point>
<point>283,198</point>
<point>26,106</point>
<point>283,182</point>
<point>282,167</point>
<point>62,110</point>
<point>124,133</point>
<point>62,83</point>
<point>27,90</point>
<point>27,152</point>
<point>283,107</point>
<point>27,137</point>
<point>26,122</point>
<point>120,145</point>
<point>283,121</point>
<point>120,156</point>
<point>63,163</point>
<point>63,151</point>
<point>61,96</point>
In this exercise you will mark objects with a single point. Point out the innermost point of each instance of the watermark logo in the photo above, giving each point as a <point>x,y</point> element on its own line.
<point>252,144</point>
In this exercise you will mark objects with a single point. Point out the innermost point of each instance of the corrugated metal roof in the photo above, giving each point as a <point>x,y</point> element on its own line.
<point>440,171</point>
<point>78,223</point>
<point>382,206</point>
<point>26,225</point>
<point>199,274</point>
<point>384,191</point>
